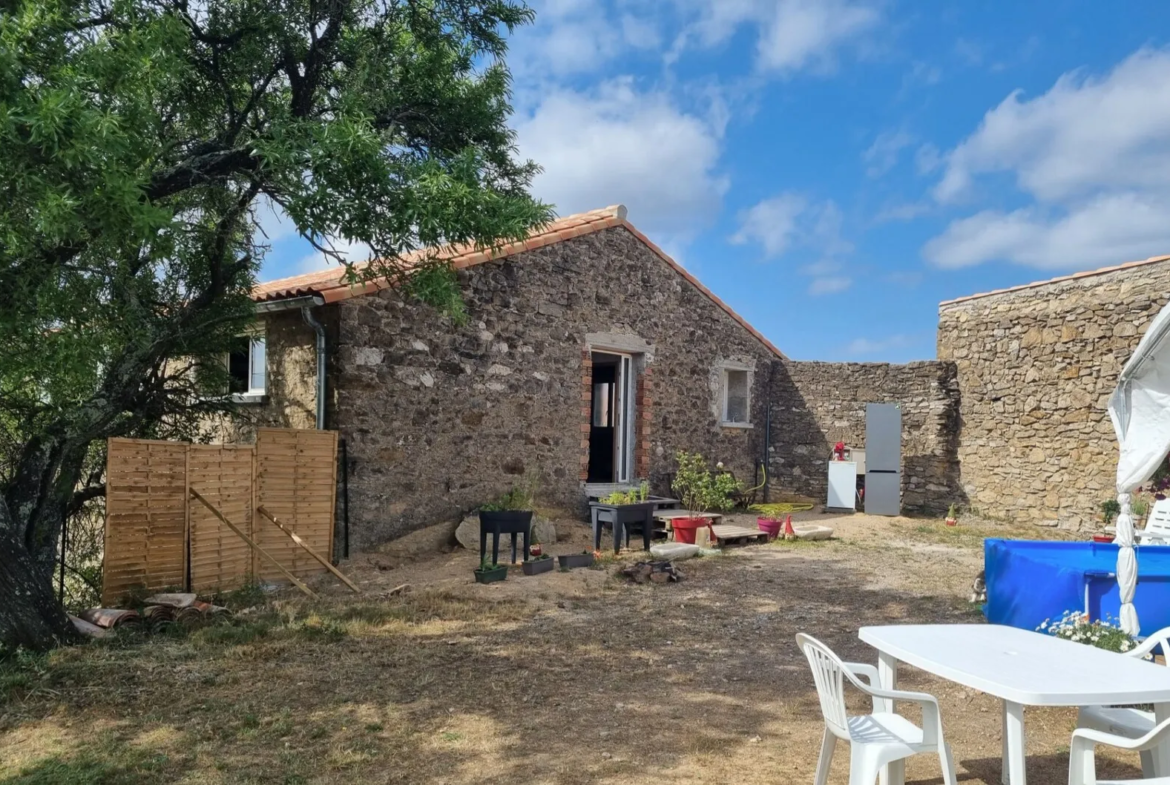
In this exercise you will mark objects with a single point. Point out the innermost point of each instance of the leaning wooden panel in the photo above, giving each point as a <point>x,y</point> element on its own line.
<point>296,482</point>
<point>223,475</point>
<point>146,526</point>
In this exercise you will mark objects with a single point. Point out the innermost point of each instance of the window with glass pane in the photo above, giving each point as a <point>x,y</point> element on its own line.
<point>246,365</point>
<point>239,363</point>
<point>258,365</point>
<point>735,407</point>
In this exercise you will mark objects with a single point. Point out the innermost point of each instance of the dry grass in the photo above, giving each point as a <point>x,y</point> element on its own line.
<point>565,678</point>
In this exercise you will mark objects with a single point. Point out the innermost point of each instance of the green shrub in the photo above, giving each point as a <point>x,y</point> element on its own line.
<point>701,490</point>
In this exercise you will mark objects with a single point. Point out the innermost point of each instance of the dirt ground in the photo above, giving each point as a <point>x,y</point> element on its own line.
<point>566,678</point>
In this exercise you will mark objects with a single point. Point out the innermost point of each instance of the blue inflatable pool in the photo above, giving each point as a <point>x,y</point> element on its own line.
<point>1029,581</point>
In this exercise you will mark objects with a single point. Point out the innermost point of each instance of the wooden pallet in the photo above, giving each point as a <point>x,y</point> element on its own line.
<point>666,516</point>
<point>727,533</point>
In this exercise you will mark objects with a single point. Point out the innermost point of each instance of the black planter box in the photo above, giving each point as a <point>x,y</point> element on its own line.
<point>505,521</point>
<point>510,522</point>
<point>492,575</point>
<point>575,560</point>
<point>537,566</point>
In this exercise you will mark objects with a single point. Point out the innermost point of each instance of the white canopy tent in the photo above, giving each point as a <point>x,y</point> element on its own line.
<point>1140,410</point>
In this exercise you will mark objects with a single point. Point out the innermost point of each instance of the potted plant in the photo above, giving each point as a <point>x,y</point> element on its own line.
<point>487,572</point>
<point>1110,508</point>
<point>1105,633</point>
<point>623,508</point>
<point>535,549</point>
<point>509,514</point>
<point>537,565</point>
<point>769,525</point>
<point>952,516</point>
<point>571,560</point>
<point>699,491</point>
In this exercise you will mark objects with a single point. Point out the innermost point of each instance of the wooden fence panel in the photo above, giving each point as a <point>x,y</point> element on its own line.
<point>296,481</point>
<point>146,517</point>
<point>223,475</point>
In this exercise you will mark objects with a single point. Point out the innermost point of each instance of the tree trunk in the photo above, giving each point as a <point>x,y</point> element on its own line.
<point>30,616</point>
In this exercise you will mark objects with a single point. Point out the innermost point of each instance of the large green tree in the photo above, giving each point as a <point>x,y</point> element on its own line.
<point>140,143</point>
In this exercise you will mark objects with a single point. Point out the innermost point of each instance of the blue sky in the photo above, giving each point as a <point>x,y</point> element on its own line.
<point>834,169</point>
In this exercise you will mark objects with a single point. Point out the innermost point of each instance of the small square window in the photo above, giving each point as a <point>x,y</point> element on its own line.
<point>736,395</point>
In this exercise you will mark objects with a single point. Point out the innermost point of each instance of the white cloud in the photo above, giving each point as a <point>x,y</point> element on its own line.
<point>1084,134</point>
<point>619,144</point>
<point>789,220</point>
<point>1108,229</point>
<point>1093,155</point>
<point>882,156</point>
<point>352,251</point>
<point>792,34</point>
<point>829,285</point>
<point>771,223</point>
<point>573,37</point>
<point>273,223</point>
<point>865,346</point>
<point>969,52</point>
<point>640,32</point>
<point>927,159</point>
<point>902,211</point>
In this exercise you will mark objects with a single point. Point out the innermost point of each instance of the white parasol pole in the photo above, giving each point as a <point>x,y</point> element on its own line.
<point>1126,566</point>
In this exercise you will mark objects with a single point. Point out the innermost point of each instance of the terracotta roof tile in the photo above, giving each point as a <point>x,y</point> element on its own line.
<point>1072,277</point>
<point>330,286</point>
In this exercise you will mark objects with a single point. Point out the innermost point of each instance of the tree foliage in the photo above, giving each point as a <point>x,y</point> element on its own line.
<point>141,144</point>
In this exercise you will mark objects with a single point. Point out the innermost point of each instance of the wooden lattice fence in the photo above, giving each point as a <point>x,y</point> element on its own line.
<point>157,536</point>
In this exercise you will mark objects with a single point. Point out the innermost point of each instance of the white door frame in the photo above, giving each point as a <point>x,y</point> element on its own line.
<point>625,413</point>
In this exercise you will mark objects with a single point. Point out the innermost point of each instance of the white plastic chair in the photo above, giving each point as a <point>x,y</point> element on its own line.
<point>877,739</point>
<point>1157,528</point>
<point>1127,722</point>
<point>1082,760</point>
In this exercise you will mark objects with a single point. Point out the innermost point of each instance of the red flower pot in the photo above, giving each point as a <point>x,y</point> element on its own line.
<point>1105,538</point>
<point>769,526</point>
<point>685,528</point>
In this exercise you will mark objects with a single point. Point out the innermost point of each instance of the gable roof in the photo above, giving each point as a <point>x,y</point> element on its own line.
<point>330,286</point>
<point>1087,274</point>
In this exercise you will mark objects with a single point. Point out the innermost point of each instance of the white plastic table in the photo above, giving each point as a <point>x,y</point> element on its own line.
<point>1021,668</point>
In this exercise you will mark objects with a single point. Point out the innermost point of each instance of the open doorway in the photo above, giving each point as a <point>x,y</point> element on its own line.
<point>611,419</point>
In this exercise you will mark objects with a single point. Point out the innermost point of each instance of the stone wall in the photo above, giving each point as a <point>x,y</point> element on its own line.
<point>442,417</point>
<point>1036,367</point>
<point>818,404</point>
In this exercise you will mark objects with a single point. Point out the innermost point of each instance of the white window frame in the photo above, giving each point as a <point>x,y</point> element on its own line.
<point>253,392</point>
<point>725,389</point>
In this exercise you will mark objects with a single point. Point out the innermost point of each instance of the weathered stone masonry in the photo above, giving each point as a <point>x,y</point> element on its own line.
<point>818,404</point>
<point>441,417</point>
<point>1036,366</point>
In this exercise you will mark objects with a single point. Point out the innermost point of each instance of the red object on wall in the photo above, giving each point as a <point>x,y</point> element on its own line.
<point>839,451</point>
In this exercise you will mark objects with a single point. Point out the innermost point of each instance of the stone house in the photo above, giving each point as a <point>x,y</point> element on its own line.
<point>589,357</point>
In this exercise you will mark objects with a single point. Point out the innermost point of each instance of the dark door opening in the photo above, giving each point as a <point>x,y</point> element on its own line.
<point>601,418</point>
<point>610,418</point>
